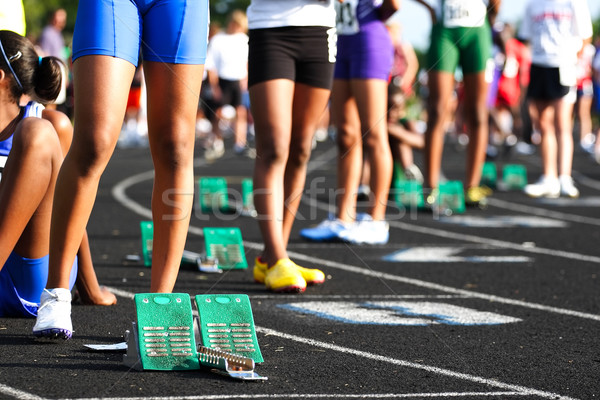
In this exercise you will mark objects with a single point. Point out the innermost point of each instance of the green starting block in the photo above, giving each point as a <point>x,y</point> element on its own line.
<point>409,194</point>
<point>226,324</point>
<point>248,198</point>
<point>226,246</point>
<point>514,176</point>
<point>204,264</point>
<point>451,198</point>
<point>165,336</point>
<point>147,228</point>
<point>489,174</point>
<point>398,174</point>
<point>213,194</point>
<point>162,338</point>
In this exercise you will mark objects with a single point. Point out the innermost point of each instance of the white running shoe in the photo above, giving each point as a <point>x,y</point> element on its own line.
<point>544,187</point>
<point>367,231</point>
<point>567,187</point>
<point>413,173</point>
<point>329,230</point>
<point>54,315</point>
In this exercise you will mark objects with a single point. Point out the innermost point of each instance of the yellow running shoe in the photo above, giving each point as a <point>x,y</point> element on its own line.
<point>284,277</point>
<point>312,276</point>
<point>477,195</point>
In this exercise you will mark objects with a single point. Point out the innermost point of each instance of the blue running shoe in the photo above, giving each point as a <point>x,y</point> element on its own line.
<point>331,229</point>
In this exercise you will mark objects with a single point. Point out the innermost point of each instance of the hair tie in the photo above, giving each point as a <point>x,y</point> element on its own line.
<point>39,60</point>
<point>10,66</point>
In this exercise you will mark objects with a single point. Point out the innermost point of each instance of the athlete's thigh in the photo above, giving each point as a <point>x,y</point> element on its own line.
<point>175,31</point>
<point>173,92</point>
<point>101,86</point>
<point>107,27</point>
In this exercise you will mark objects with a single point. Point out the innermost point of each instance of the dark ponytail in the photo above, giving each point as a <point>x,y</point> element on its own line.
<point>47,79</point>
<point>40,78</point>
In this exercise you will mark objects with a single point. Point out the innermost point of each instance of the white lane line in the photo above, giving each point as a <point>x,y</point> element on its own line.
<point>442,288</point>
<point>319,396</point>
<point>120,195</point>
<point>439,371</point>
<point>584,180</point>
<point>507,205</point>
<point>475,239</point>
<point>17,394</point>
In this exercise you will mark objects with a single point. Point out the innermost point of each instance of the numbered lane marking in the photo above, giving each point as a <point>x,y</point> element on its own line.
<point>399,313</point>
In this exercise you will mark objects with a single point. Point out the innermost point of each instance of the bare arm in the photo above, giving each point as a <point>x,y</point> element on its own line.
<point>492,11</point>
<point>412,67</point>
<point>388,8</point>
<point>430,9</point>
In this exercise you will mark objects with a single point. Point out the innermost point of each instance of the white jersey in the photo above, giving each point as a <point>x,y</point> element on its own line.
<point>280,13</point>
<point>460,13</point>
<point>228,55</point>
<point>555,30</point>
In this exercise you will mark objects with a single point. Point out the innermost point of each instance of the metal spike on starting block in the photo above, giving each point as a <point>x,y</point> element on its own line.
<point>233,365</point>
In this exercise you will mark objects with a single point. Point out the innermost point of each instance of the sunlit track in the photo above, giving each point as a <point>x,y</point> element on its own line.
<point>120,195</point>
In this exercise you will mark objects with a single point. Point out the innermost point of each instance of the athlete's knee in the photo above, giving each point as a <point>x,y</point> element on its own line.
<point>346,140</point>
<point>91,153</point>
<point>300,151</point>
<point>173,151</point>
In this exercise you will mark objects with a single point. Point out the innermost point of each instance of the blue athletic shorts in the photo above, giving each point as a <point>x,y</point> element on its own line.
<point>22,281</point>
<point>171,31</point>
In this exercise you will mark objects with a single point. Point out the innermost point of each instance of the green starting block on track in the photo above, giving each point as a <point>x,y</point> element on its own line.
<point>409,194</point>
<point>226,324</point>
<point>451,198</point>
<point>489,174</point>
<point>166,337</point>
<point>226,246</point>
<point>204,264</point>
<point>514,176</point>
<point>248,198</point>
<point>147,228</point>
<point>213,194</point>
<point>163,335</point>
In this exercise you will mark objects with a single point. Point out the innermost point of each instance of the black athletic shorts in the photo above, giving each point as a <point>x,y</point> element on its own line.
<point>544,84</point>
<point>231,92</point>
<point>303,54</point>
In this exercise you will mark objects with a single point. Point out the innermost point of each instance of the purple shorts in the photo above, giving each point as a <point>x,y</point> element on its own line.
<point>366,55</point>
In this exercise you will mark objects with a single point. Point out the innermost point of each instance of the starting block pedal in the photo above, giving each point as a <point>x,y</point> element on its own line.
<point>204,264</point>
<point>409,194</point>
<point>248,198</point>
<point>450,198</point>
<point>226,324</point>
<point>398,173</point>
<point>489,175</point>
<point>213,194</point>
<point>226,246</point>
<point>514,176</point>
<point>163,337</point>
